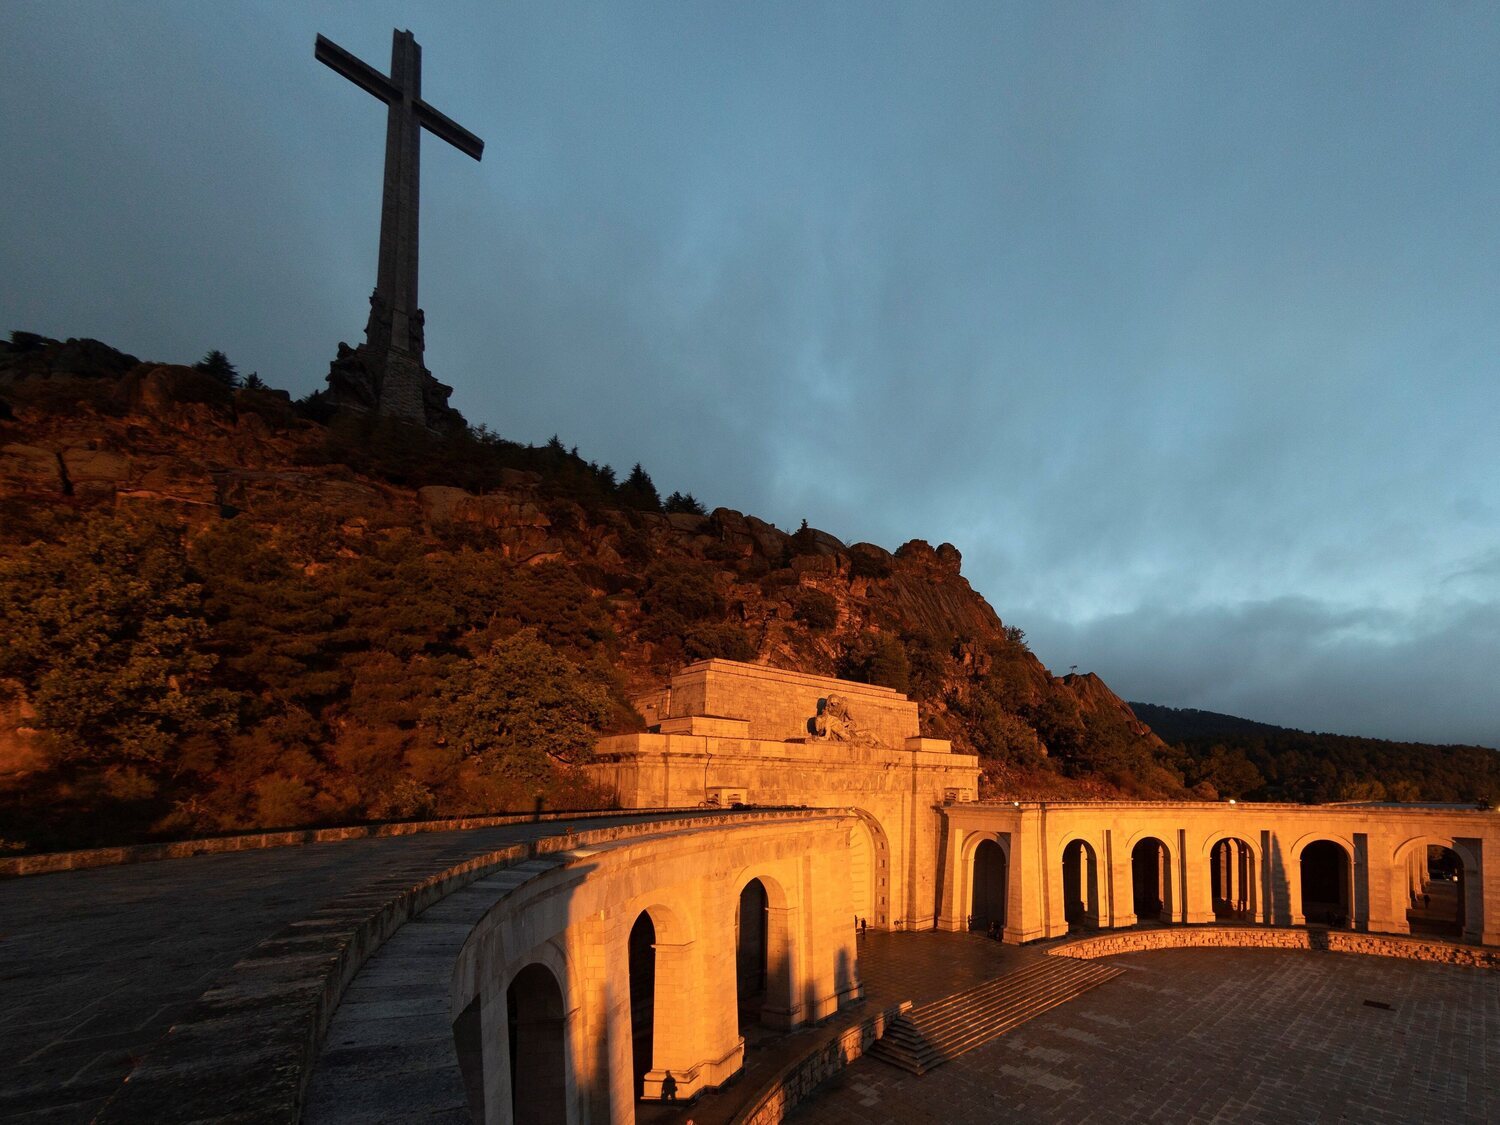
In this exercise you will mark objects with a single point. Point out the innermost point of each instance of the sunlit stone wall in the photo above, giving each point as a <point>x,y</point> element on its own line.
<point>729,731</point>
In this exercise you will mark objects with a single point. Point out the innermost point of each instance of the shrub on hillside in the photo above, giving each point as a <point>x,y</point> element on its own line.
<point>520,709</point>
<point>877,658</point>
<point>816,609</point>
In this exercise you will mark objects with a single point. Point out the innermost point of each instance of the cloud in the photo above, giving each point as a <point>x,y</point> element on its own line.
<point>1171,322</point>
<point>1426,675</point>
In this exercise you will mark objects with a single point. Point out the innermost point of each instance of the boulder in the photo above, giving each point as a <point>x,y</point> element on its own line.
<point>500,510</point>
<point>439,502</point>
<point>29,356</point>
<point>811,540</point>
<point>95,472</point>
<point>30,468</point>
<point>157,388</point>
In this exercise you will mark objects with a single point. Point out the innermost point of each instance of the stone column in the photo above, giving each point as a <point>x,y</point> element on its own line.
<point>495,1053</point>
<point>1361,900</point>
<point>1481,888</point>
<point>1291,872</point>
<point>1386,896</point>
<point>696,1020</point>
<point>952,912</point>
<point>1232,884</point>
<point>1025,878</point>
<point>1119,874</point>
<point>1200,891</point>
<point>1244,897</point>
<point>783,1006</point>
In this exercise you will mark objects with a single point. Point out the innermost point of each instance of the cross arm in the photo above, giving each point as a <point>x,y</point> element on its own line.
<point>361,73</point>
<point>444,127</point>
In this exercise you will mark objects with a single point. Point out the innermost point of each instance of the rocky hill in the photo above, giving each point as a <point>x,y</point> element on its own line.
<point>220,608</point>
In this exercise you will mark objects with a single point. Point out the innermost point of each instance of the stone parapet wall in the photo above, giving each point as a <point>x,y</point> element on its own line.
<point>247,1048</point>
<point>795,1082</point>
<point>1249,937</point>
<point>44,863</point>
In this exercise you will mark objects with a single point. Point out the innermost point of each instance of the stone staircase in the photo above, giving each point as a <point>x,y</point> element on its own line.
<point>936,1032</point>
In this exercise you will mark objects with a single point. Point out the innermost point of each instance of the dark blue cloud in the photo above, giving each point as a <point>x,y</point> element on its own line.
<point>1160,314</point>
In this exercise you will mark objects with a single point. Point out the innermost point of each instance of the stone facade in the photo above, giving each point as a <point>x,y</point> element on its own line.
<point>1380,846</point>
<point>724,731</point>
<point>578,923</point>
<point>779,705</point>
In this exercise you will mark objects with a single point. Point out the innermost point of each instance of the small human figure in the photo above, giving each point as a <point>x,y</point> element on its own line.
<point>861,927</point>
<point>1426,900</point>
<point>669,1088</point>
<point>995,930</point>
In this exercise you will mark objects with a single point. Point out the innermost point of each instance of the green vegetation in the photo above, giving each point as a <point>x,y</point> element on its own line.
<point>104,630</point>
<point>1256,761</point>
<point>236,677</point>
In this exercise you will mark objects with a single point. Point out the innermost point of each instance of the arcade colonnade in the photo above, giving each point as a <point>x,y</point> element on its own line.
<point>1104,865</point>
<point>581,992</point>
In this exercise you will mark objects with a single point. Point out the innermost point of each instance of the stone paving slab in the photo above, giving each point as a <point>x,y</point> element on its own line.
<point>1218,1036</point>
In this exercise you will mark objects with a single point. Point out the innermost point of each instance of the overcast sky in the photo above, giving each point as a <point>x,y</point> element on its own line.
<point>1181,321</point>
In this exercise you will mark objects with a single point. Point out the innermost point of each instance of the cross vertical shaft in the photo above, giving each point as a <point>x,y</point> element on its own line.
<point>396,276</point>
<point>395,332</point>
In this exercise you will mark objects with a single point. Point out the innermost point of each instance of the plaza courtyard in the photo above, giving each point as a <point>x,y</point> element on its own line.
<point>1201,1035</point>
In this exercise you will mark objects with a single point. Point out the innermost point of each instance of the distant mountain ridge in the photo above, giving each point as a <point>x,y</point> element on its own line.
<point>1259,761</point>
<point>1173,724</point>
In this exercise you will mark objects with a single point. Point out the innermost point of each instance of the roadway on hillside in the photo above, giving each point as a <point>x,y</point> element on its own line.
<point>95,965</point>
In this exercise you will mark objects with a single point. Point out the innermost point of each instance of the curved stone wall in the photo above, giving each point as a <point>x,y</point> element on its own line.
<point>1248,937</point>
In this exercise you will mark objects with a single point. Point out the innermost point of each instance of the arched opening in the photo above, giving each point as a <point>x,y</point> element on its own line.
<point>538,1068</point>
<point>1151,880</point>
<point>1325,884</point>
<point>868,873</point>
<point>1233,875</point>
<point>1080,870</point>
<point>642,997</point>
<point>751,953</point>
<point>988,882</point>
<point>1436,892</point>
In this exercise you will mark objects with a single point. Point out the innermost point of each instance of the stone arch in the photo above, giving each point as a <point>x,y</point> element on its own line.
<point>487,1047</point>
<point>1409,881</point>
<point>1235,875</point>
<point>984,880</point>
<point>1081,880</point>
<point>536,1025</point>
<point>1323,863</point>
<point>774,1002</point>
<point>1151,877</point>
<point>661,977</point>
<point>870,871</point>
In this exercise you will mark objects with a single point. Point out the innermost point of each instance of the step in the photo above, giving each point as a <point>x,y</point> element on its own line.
<point>964,1016</point>
<point>962,1008</point>
<point>944,1029</point>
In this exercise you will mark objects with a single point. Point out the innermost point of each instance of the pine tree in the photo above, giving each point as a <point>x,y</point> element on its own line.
<point>216,366</point>
<point>639,492</point>
<point>685,502</point>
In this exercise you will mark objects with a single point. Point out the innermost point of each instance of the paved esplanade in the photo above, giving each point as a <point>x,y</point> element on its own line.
<point>95,965</point>
<point>1217,1035</point>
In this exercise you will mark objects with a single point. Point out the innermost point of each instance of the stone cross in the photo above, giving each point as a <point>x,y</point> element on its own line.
<point>394,333</point>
